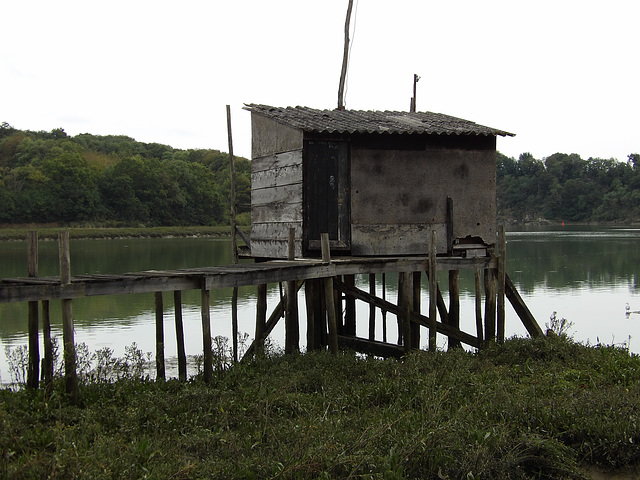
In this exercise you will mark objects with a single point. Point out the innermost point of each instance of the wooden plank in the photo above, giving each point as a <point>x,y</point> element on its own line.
<point>396,239</point>
<point>371,347</point>
<point>226,276</point>
<point>288,175</point>
<point>275,231</point>
<point>521,309</point>
<point>279,160</point>
<point>291,193</point>
<point>277,213</point>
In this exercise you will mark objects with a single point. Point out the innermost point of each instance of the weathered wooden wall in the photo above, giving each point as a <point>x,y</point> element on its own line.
<point>276,188</point>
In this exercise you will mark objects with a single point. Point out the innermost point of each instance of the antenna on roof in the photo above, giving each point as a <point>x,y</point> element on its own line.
<point>345,58</point>
<point>412,108</point>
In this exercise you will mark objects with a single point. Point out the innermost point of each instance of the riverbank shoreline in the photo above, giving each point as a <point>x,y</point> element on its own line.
<point>50,232</point>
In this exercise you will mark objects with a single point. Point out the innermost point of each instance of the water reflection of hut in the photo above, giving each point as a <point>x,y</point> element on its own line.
<point>377,182</point>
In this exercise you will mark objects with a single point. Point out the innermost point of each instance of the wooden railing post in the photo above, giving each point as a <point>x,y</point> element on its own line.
<point>70,373</point>
<point>33,370</point>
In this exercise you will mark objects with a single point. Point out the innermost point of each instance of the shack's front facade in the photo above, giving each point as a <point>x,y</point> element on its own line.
<point>377,182</point>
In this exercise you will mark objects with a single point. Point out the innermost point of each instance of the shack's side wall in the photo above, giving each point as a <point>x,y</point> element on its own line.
<point>399,190</point>
<point>276,188</point>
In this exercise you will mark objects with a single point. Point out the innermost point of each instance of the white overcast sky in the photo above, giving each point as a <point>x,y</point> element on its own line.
<point>560,74</point>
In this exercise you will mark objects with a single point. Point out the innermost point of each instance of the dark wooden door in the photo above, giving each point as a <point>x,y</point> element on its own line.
<point>327,194</point>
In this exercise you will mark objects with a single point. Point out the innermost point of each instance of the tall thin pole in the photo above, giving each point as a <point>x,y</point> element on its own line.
<point>345,58</point>
<point>234,240</point>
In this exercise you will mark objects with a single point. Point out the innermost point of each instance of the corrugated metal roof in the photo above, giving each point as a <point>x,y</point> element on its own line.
<point>360,121</point>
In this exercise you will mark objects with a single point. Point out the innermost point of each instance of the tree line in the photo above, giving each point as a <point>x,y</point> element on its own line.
<point>51,177</point>
<point>565,187</point>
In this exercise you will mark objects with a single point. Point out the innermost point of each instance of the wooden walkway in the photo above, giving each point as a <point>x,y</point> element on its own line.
<point>329,284</point>
<point>210,278</point>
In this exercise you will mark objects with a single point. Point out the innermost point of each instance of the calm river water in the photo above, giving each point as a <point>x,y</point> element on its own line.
<point>587,275</point>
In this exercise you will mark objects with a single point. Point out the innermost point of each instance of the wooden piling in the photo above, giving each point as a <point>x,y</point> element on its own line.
<point>478,298</point>
<point>329,297</point>
<point>47,364</point>
<point>33,369</point>
<point>177,316</point>
<point>159,306</point>
<point>350,308</point>
<point>70,374</point>
<point>405,305</point>
<point>433,291</point>
<point>292,326</point>
<point>261,318</point>
<point>490,305</point>
<point>501,274</point>
<point>453,319</point>
<point>417,294</point>
<point>372,307</point>
<point>207,359</point>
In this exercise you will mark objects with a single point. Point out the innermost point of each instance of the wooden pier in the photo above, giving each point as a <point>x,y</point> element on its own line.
<point>329,291</point>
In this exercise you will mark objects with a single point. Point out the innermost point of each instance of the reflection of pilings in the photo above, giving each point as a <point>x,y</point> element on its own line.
<point>160,375</point>
<point>34,349</point>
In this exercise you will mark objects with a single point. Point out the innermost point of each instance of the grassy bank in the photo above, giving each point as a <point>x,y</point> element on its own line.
<point>51,233</point>
<point>529,409</point>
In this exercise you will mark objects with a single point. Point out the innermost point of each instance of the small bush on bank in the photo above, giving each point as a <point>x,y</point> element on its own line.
<point>538,408</point>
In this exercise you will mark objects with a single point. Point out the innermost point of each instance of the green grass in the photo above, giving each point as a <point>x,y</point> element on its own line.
<point>528,409</point>
<point>51,233</point>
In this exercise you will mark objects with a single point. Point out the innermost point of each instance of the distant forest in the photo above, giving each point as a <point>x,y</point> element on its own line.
<point>113,180</point>
<point>565,187</point>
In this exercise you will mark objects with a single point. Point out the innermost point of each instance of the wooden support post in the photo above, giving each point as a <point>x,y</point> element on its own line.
<point>449,225</point>
<point>372,307</point>
<point>350,308</point>
<point>417,293</point>
<point>454,306</point>
<point>502,257</point>
<point>405,305</point>
<point>47,365</point>
<point>489,305</point>
<point>182,356</point>
<point>234,323</point>
<point>478,287</point>
<point>329,297</point>
<point>261,318</point>
<point>433,291</point>
<point>207,359</point>
<point>521,309</point>
<point>70,374</point>
<point>384,312</point>
<point>292,333</point>
<point>33,370</point>
<point>160,373</point>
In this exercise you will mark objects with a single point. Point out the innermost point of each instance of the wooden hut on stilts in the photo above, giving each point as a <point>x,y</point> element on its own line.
<point>377,184</point>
